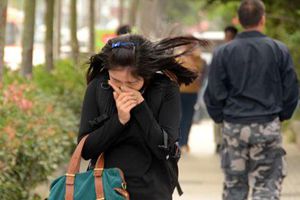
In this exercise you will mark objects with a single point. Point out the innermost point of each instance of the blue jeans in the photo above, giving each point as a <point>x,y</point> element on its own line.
<point>188,101</point>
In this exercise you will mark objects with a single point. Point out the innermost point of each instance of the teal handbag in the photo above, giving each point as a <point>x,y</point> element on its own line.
<point>94,184</point>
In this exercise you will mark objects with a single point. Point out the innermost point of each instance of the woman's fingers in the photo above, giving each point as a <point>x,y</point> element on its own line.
<point>131,106</point>
<point>126,95</point>
<point>128,105</point>
<point>116,96</point>
<point>124,88</point>
<point>125,100</point>
<point>116,89</point>
<point>134,92</point>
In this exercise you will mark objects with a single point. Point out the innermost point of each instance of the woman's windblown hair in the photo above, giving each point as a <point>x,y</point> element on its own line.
<point>145,57</point>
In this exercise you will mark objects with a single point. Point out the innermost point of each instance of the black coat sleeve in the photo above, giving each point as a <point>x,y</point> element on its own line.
<point>168,120</point>
<point>100,138</point>
<point>289,85</point>
<point>216,91</point>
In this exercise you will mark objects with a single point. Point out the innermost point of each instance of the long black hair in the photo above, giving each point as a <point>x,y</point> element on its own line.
<point>145,57</point>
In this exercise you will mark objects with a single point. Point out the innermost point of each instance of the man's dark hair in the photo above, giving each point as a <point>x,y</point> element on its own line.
<point>250,12</point>
<point>124,29</point>
<point>231,29</point>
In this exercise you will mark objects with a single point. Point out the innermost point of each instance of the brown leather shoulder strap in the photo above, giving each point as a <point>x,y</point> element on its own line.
<point>98,171</point>
<point>73,168</point>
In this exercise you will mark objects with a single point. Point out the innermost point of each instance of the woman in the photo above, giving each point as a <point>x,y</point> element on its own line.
<point>189,94</point>
<point>128,106</point>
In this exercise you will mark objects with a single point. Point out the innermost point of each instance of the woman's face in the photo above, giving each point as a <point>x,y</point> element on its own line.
<point>122,76</point>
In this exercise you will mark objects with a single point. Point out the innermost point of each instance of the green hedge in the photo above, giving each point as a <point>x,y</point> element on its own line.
<point>65,82</point>
<point>38,127</point>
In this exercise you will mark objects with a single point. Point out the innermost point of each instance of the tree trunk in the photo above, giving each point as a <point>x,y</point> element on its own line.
<point>154,26</point>
<point>57,25</point>
<point>92,26</point>
<point>121,12</point>
<point>98,13</point>
<point>27,38</point>
<point>73,30</point>
<point>3,13</point>
<point>133,12</point>
<point>49,19</point>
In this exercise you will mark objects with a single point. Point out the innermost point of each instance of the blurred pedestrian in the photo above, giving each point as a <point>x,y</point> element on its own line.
<point>189,94</point>
<point>230,33</point>
<point>123,29</point>
<point>131,112</point>
<point>252,88</point>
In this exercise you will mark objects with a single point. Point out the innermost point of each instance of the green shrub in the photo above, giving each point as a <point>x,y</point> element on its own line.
<point>66,82</point>
<point>38,125</point>
<point>36,134</point>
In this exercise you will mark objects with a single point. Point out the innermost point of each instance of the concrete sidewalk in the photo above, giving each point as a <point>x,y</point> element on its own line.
<point>200,174</point>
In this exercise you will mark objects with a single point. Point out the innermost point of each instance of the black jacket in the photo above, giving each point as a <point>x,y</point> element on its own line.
<point>251,79</point>
<point>134,148</point>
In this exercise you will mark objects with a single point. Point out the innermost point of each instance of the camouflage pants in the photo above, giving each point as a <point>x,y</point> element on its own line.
<point>252,156</point>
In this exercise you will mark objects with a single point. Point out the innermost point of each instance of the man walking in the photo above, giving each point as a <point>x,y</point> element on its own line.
<point>252,87</point>
<point>230,33</point>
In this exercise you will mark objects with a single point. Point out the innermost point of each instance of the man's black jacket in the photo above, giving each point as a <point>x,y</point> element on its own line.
<point>251,80</point>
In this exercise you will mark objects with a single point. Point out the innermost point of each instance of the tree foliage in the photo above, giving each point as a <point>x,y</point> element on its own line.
<point>185,12</point>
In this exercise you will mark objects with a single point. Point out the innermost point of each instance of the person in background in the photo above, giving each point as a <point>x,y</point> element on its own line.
<point>124,29</point>
<point>189,94</point>
<point>230,33</point>
<point>252,88</point>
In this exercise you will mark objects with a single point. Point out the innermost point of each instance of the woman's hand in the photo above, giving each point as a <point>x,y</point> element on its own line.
<point>136,94</point>
<point>126,99</point>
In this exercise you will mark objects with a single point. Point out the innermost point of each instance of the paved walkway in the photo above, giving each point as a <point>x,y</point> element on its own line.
<point>201,177</point>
